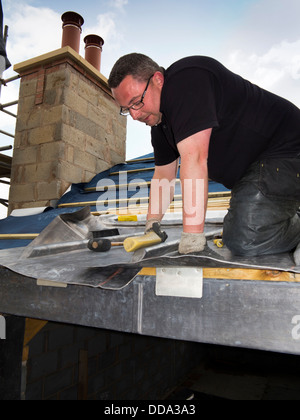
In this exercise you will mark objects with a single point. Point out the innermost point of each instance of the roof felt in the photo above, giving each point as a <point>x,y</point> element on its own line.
<point>137,173</point>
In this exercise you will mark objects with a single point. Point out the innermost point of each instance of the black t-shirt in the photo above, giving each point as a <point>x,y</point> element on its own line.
<point>248,122</point>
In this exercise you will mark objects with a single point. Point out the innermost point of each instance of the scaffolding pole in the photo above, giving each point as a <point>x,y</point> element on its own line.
<point>7,134</point>
<point>5,148</point>
<point>4,82</point>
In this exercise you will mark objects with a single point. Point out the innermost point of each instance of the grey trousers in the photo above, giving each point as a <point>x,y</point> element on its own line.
<point>264,216</point>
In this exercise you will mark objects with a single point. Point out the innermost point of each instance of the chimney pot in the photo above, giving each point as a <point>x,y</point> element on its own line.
<point>72,23</point>
<point>93,50</point>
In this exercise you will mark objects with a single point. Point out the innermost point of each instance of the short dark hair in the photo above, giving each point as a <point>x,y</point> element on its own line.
<point>137,65</point>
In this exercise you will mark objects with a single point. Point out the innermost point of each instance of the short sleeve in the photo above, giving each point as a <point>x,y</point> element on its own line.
<point>189,102</point>
<point>164,153</point>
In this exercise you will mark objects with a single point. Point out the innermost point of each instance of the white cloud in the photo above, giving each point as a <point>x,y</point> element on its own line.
<point>105,27</point>
<point>106,23</point>
<point>118,4</point>
<point>264,47</point>
<point>277,70</point>
<point>108,27</point>
<point>32,31</point>
<point>264,24</point>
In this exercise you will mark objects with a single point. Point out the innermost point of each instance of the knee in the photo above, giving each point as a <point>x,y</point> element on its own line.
<point>247,239</point>
<point>240,239</point>
<point>239,244</point>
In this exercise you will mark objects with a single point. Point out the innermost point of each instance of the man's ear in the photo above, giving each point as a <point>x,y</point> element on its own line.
<point>159,79</point>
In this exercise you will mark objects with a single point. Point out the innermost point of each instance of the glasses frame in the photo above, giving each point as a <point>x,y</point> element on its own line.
<point>125,111</point>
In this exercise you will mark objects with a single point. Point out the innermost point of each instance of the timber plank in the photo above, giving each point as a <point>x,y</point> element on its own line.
<point>239,274</point>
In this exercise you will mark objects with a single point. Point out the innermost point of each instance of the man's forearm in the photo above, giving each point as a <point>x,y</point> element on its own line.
<point>162,190</point>
<point>161,196</point>
<point>194,183</point>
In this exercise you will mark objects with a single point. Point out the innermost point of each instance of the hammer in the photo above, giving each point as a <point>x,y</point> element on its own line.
<point>102,245</point>
<point>154,237</point>
<point>99,244</point>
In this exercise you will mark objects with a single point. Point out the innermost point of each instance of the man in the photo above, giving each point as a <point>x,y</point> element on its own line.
<point>224,128</point>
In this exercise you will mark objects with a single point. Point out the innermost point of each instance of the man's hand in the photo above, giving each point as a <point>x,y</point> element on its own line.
<point>191,243</point>
<point>149,224</point>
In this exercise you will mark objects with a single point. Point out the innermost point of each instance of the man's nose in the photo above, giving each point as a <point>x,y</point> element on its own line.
<point>134,114</point>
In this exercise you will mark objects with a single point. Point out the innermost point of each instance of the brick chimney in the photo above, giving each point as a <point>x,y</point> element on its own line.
<point>68,128</point>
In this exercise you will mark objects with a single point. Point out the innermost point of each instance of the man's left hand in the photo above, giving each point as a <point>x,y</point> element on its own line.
<point>191,243</point>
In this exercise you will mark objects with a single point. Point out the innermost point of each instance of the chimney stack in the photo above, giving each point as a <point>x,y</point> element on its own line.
<point>72,23</point>
<point>69,126</point>
<point>93,50</point>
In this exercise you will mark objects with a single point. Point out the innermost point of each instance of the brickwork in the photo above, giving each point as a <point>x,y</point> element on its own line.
<point>68,130</point>
<point>119,366</point>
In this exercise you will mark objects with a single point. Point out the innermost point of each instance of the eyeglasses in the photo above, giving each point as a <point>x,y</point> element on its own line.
<point>136,106</point>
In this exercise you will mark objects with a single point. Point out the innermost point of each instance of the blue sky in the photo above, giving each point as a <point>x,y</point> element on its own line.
<point>259,39</point>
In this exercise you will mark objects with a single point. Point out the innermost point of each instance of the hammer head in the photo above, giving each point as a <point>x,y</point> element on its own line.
<point>99,245</point>
<point>157,229</point>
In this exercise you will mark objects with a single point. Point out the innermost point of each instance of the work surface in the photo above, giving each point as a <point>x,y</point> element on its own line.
<point>60,253</point>
<point>117,290</point>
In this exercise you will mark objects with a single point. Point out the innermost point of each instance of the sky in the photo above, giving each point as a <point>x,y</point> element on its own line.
<point>258,39</point>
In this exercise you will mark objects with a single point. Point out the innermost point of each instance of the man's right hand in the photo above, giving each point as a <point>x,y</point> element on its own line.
<point>149,224</point>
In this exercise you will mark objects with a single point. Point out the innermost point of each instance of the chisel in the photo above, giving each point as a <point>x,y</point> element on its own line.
<point>102,245</point>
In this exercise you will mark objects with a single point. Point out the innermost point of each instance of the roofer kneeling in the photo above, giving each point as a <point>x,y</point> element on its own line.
<point>225,128</point>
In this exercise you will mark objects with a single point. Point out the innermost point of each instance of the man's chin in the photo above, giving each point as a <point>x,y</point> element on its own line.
<point>149,122</point>
<point>153,122</point>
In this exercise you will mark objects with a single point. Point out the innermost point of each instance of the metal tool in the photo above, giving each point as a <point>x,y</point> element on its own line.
<point>102,245</point>
<point>218,241</point>
<point>104,233</point>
